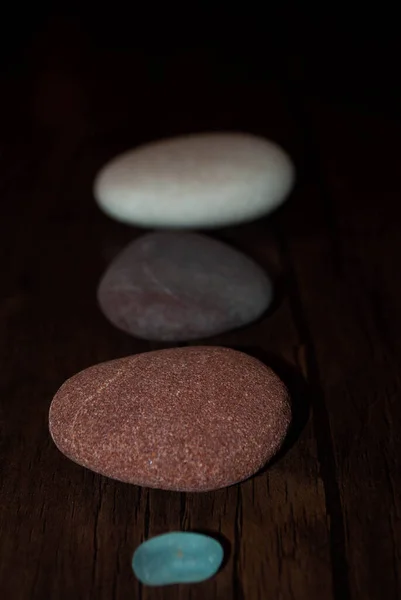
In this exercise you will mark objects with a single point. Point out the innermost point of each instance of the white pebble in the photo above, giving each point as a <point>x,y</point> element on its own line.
<point>196,181</point>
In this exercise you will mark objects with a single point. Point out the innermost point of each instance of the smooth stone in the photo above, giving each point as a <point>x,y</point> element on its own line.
<point>195,181</point>
<point>182,286</point>
<point>185,419</point>
<point>177,557</point>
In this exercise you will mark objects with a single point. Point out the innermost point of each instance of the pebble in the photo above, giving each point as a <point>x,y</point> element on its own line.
<point>185,419</point>
<point>177,557</point>
<point>195,181</point>
<point>182,286</point>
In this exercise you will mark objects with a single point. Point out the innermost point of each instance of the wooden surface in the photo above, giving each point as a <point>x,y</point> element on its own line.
<point>323,521</point>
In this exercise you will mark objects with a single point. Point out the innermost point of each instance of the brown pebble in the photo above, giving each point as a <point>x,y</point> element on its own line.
<point>185,419</point>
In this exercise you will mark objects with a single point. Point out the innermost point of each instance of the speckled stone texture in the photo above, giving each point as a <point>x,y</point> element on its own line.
<point>185,419</point>
<point>182,286</point>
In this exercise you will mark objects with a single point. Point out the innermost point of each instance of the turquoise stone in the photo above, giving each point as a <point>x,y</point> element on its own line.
<point>177,557</point>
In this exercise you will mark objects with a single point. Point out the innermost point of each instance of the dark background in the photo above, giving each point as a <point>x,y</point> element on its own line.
<point>345,51</point>
<point>79,85</point>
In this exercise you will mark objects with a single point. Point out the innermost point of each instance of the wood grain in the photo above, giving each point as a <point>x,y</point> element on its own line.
<point>323,521</point>
<point>358,350</point>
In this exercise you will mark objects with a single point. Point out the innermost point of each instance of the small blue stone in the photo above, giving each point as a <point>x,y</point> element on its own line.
<point>177,557</point>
